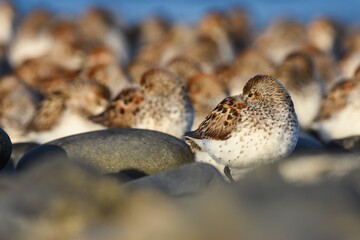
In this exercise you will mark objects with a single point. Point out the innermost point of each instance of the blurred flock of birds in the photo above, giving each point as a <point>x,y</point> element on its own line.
<point>65,75</point>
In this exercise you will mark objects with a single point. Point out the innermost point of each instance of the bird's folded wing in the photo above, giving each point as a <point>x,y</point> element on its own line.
<point>219,124</point>
<point>48,114</point>
<point>122,110</point>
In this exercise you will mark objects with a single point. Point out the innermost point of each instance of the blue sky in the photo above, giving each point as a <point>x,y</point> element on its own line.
<point>190,10</point>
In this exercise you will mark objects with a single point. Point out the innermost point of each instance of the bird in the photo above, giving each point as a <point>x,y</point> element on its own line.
<point>205,91</point>
<point>215,25</point>
<point>300,77</point>
<point>101,65</point>
<point>247,130</point>
<point>32,38</point>
<point>99,26</point>
<point>7,17</point>
<point>65,112</point>
<point>183,67</point>
<point>18,104</point>
<point>281,38</point>
<point>339,112</point>
<point>160,103</point>
<point>326,34</point>
<point>247,64</point>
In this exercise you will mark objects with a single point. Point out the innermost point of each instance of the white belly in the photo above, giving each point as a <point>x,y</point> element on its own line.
<point>69,124</point>
<point>250,149</point>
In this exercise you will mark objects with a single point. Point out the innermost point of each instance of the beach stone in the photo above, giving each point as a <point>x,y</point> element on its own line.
<point>51,198</point>
<point>115,150</point>
<point>71,200</point>
<point>184,180</point>
<point>5,148</point>
<point>18,150</point>
<point>64,200</point>
<point>125,176</point>
<point>285,211</point>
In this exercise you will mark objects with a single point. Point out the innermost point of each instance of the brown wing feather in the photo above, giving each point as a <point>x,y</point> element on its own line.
<point>122,109</point>
<point>48,114</point>
<point>222,120</point>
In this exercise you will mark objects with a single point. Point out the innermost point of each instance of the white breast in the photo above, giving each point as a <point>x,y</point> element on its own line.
<point>29,47</point>
<point>251,149</point>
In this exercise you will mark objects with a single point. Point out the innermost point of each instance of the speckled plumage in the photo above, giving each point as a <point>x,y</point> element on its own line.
<point>161,103</point>
<point>247,130</point>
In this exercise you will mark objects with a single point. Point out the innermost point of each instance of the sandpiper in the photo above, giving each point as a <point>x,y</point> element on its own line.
<point>245,131</point>
<point>161,103</point>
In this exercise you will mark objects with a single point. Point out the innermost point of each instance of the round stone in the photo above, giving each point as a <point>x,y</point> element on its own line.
<point>188,179</point>
<point>115,150</point>
<point>18,150</point>
<point>5,148</point>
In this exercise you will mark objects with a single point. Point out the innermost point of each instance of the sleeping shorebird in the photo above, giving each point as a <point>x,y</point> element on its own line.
<point>244,131</point>
<point>161,103</point>
<point>66,111</point>
<point>339,113</point>
<point>300,77</point>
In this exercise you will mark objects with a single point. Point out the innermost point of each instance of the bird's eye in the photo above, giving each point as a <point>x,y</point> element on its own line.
<point>250,95</point>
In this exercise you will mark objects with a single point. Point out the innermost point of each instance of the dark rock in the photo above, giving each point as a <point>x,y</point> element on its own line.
<point>5,148</point>
<point>127,175</point>
<point>48,198</point>
<point>115,150</point>
<point>187,179</point>
<point>18,150</point>
<point>350,143</point>
<point>307,144</point>
<point>41,154</point>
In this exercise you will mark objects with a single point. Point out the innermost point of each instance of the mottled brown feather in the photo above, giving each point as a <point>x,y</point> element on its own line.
<point>219,124</point>
<point>122,109</point>
<point>48,113</point>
